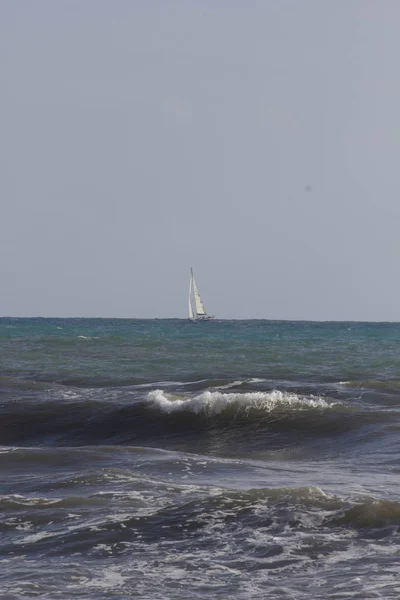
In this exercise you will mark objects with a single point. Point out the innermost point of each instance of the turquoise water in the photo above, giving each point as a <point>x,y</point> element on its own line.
<point>161,458</point>
<point>124,350</point>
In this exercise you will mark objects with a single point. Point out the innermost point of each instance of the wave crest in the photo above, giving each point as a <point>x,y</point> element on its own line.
<point>214,402</point>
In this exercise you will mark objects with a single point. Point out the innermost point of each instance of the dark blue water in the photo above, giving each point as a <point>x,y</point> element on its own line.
<point>165,459</point>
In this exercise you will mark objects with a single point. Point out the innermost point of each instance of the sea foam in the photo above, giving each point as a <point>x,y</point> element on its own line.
<point>214,402</point>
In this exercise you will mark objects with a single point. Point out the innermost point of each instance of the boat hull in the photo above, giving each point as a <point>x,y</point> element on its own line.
<point>201,319</point>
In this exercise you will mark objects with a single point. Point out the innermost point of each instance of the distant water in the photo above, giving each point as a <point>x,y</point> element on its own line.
<point>163,459</point>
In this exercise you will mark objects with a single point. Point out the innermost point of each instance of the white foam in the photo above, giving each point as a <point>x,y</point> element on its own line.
<point>239,382</point>
<point>109,579</point>
<point>160,383</point>
<point>216,402</point>
<point>69,395</point>
<point>35,537</point>
<point>230,385</point>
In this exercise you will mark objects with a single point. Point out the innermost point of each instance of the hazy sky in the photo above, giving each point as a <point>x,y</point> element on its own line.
<point>257,141</point>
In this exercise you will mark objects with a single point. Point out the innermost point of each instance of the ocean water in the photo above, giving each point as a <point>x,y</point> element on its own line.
<point>163,459</point>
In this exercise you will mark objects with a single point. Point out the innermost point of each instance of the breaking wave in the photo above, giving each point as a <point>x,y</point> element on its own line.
<point>214,403</point>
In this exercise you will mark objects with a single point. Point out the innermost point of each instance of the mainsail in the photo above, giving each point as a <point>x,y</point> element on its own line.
<point>200,310</point>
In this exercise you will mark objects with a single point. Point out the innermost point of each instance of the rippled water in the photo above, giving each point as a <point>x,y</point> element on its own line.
<point>164,459</point>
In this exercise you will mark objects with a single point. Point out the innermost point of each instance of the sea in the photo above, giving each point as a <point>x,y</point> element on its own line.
<point>164,459</point>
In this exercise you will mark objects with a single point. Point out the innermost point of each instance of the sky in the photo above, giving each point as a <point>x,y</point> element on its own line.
<point>255,141</point>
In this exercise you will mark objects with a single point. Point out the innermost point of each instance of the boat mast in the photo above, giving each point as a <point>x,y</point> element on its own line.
<point>191,316</point>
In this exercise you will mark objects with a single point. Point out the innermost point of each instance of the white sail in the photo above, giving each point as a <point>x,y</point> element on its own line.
<point>200,310</point>
<point>191,316</point>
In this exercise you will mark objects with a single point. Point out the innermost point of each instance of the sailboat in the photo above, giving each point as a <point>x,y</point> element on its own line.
<point>199,313</point>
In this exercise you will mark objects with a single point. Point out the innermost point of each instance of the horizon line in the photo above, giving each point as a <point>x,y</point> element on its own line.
<point>285,320</point>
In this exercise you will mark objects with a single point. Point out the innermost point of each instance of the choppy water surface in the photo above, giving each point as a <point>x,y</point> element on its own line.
<point>163,459</point>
